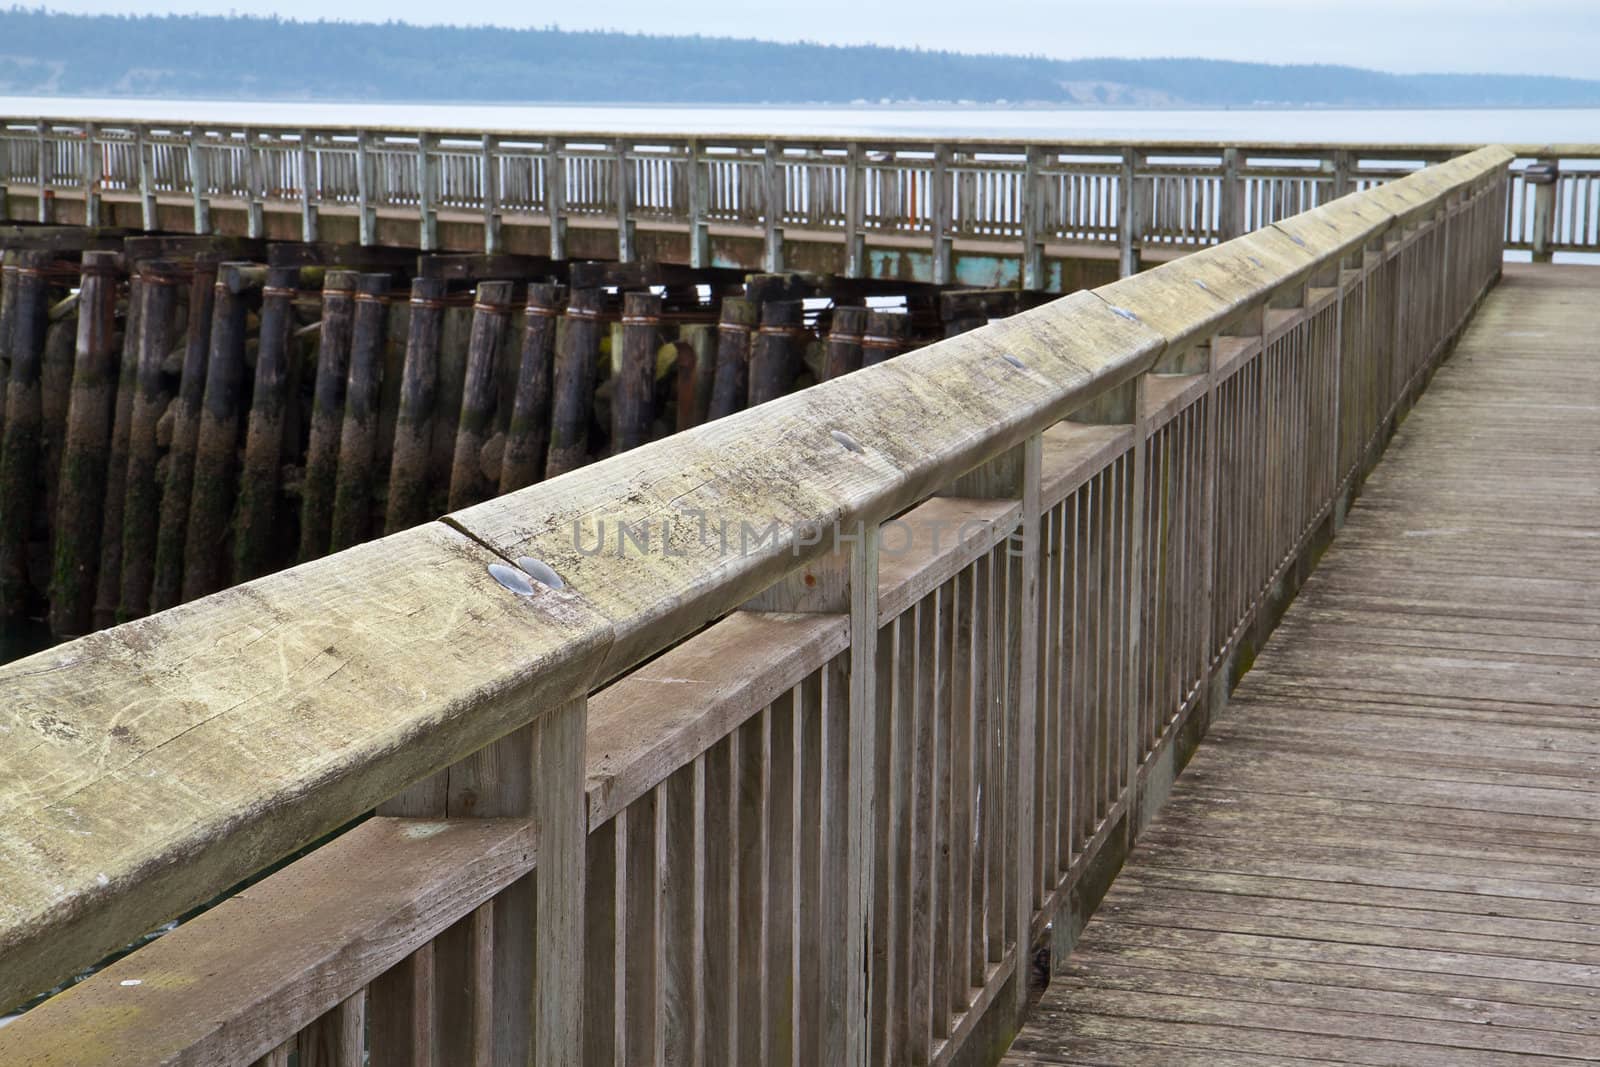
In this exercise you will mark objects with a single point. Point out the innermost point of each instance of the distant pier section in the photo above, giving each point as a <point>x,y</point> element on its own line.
<point>1046,217</point>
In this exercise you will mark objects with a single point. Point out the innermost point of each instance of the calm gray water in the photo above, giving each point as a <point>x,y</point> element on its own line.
<point>1384,126</point>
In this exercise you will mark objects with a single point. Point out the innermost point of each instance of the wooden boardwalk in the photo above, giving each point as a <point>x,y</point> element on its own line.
<point>1387,851</point>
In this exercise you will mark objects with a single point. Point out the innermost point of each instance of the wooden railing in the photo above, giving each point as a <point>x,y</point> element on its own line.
<point>783,740</point>
<point>796,202</point>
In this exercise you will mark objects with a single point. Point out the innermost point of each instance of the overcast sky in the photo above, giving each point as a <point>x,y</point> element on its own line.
<point>1509,36</point>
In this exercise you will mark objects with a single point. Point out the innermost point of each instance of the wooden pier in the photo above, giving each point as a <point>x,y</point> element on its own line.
<point>1385,851</point>
<point>984,214</point>
<point>800,735</point>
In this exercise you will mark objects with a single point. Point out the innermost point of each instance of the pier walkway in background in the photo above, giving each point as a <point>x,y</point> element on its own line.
<point>1387,851</point>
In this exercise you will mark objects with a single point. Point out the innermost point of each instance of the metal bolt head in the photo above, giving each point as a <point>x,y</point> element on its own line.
<point>541,572</point>
<point>511,578</point>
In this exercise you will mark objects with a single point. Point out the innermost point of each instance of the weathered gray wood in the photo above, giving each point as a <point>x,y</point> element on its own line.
<point>299,639</point>
<point>1378,851</point>
<point>378,894</point>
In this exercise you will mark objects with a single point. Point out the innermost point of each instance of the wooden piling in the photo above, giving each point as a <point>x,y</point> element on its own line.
<point>885,337</point>
<point>55,394</point>
<point>486,351</point>
<point>108,580</point>
<point>633,399</point>
<point>844,341</point>
<point>730,390</point>
<point>167,586</point>
<point>574,383</point>
<point>773,356</point>
<point>141,512</point>
<point>695,373</point>
<point>413,432</point>
<point>22,335</point>
<point>528,435</point>
<point>86,451</point>
<point>222,412</point>
<point>256,545</point>
<point>327,413</point>
<point>353,491</point>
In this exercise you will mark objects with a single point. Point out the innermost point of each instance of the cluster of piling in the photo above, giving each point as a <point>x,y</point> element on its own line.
<point>182,414</point>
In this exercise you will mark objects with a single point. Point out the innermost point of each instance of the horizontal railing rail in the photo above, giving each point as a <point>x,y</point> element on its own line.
<point>781,740</point>
<point>1031,198</point>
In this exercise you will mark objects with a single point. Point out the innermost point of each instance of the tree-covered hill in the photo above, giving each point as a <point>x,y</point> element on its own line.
<point>267,58</point>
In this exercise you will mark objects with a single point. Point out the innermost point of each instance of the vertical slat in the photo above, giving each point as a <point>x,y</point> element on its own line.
<point>402,1024</point>
<point>338,1038</point>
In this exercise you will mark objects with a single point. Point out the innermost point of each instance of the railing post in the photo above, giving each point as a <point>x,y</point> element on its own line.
<point>699,232</point>
<point>561,809</point>
<point>491,197</point>
<point>256,211</point>
<point>1343,172</point>
<point>941,215</point>
<point>1544,217</point>
<point>197,184</point>
<point>147,199</point>
<point>1032,216</point>
<point>308,207</point>
<point>93,172</point>
<point>555,197</point>
<point>537,960</point>
<point>860,816</point>
<point>855,256</point>
<point>625,198</point>
<point>772,217</point>
<point>366,222</point>
<point>1231,210</point>
<point>427,192</point>
<point>1130,217</point>
<point>43,211</point>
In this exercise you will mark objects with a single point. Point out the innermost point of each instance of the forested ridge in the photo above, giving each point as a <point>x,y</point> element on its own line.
<point>44,53</point>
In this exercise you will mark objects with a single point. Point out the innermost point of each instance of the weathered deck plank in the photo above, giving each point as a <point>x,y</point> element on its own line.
<point>1385,851</point>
